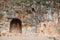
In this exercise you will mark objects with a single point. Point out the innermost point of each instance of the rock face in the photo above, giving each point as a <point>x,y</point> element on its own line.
<point>32,18</point>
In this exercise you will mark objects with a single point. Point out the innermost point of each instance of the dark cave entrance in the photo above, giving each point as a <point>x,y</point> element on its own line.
<point>16,24</point>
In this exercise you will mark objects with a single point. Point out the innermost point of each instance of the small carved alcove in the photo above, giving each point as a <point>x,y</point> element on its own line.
<point>16,25</point>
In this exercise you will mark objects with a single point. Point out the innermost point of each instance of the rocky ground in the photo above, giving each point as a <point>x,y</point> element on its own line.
<point>28,37</point>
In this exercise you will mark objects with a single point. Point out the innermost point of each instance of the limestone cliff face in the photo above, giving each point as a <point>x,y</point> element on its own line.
<point>34,18</point>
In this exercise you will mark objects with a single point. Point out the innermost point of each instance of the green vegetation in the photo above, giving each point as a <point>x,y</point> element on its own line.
<point>34,0</point>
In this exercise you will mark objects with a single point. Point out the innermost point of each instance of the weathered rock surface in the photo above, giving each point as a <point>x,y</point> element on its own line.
<point>35,19</point>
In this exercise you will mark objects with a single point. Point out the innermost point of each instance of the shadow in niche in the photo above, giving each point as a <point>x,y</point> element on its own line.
<point>16,25</point>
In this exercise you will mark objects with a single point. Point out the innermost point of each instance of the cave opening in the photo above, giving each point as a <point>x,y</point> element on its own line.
<point>16,25</point>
